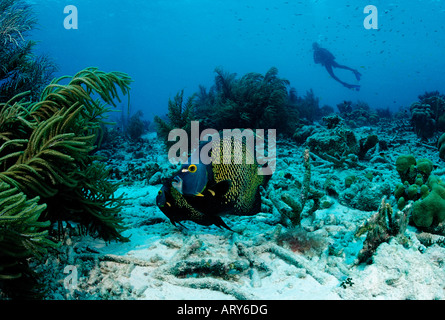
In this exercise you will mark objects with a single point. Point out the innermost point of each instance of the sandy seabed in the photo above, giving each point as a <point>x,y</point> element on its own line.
<point>163,262</point>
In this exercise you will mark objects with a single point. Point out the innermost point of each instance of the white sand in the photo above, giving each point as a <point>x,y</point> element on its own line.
<point>147,266</point>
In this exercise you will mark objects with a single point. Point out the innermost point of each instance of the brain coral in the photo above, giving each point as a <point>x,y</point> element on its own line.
<point>431,209</point>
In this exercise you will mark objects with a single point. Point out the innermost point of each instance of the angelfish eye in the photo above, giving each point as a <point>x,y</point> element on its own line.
<point>192,168</point>
<point>160,192</point>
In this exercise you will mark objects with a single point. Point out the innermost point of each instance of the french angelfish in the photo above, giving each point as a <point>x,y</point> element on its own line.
<point>192,179</point>
<point>229,188</point>
<point>178,207</point>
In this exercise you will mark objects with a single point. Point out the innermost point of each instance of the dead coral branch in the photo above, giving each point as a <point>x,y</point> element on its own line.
<point>288,204</point>
<point>381,227</point>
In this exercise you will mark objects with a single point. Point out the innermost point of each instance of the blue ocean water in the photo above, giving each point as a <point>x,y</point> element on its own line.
<point>170,45</point>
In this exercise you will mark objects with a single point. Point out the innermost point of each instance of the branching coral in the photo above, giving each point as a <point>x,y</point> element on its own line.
<point>22,234</point>
<point>291,204</point>
<point>45,153</point>
<point>252,101</point>
<point>65,126</point>
<point>179,116</point>
<point>20,69</point>
<point>204,265</point>
<point>16,19</point>
<point>382,226</point>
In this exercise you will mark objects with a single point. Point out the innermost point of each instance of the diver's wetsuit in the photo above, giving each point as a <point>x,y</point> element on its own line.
<point>327,59</point>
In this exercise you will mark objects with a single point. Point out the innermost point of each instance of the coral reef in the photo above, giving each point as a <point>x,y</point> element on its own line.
<point>423,119</point>
<point>426,190</point>
<point>366,144</point>
<point>312,231</point>
<point>333,121</point>
<point>414,175</point>
<point>441,146</point>
<point>290,204</point>
<point>136,126</point>
<point>179,116</point>
<point>382,226</point>
<point>339,146</point>
<point>337,143</point>
<point>384,113</point>
<point>46,154</point>
<point>427,114</point>
<point>357,114</point>
<point>430,208</point>
<point>364,194</point>
<point>252,101</point>
<point>21,236</point>
<point>266,257</point>
<point>133,161</point>
<point>307,106</point>
<point>303,132</point>
<point>21,70</point>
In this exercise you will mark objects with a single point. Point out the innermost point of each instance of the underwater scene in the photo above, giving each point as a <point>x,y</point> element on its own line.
<point>222,150</point>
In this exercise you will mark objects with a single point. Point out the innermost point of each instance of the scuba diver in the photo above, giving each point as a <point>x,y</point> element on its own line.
<point>326,59</point>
